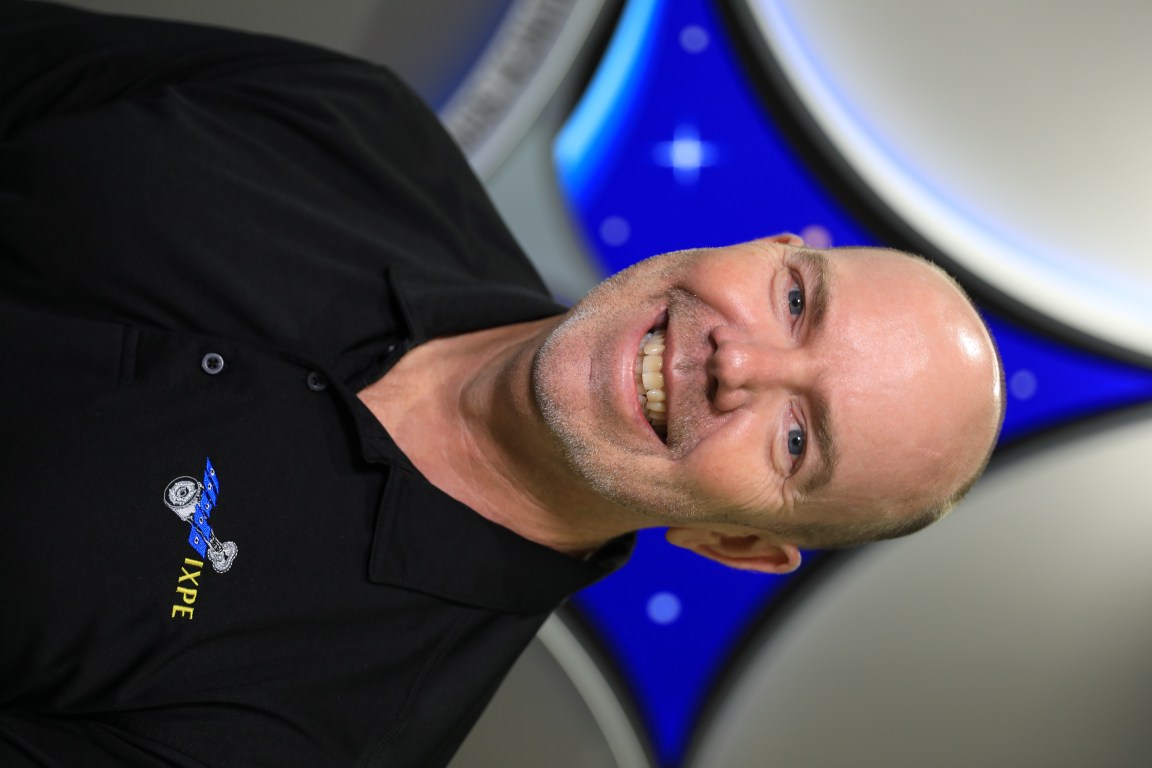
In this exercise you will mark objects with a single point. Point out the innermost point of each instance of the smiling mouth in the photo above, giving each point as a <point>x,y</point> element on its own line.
<point>650,381</point>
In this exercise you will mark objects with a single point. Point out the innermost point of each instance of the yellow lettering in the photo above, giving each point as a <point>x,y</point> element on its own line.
<point>187,594</point>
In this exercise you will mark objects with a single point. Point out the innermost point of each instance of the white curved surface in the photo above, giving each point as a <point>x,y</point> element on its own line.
<point>1012,135</point>
<point>554,709</point>
<point>521,69</point>
<point>1014,633</point>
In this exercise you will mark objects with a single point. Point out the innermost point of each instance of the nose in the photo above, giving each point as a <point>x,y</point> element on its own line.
<point>743,368</point>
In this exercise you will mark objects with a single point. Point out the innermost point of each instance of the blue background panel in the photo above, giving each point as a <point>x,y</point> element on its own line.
<point>671,147</point>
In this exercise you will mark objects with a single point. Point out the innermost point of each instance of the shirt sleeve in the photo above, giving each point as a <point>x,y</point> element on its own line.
<point>57,61</point>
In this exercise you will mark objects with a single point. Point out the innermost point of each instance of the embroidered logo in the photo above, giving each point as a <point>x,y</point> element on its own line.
<point>193,501</point>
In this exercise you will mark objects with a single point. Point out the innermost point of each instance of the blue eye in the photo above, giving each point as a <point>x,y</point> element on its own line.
<point>795,302</point>
<point>796,441</point>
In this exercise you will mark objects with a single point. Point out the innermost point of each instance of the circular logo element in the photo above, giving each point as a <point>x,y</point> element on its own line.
<point>181,496</point>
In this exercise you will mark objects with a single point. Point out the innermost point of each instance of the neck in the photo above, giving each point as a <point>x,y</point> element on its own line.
<point>461,408</point>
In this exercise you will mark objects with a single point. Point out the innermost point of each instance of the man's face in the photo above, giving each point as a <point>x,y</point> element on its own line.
<point>800,385</point>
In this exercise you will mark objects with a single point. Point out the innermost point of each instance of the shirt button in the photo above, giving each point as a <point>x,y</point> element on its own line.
<point>212,363</point>
<point>316,382</point>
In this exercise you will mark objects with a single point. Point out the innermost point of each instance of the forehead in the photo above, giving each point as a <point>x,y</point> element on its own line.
<point>866,274</point>
<point>891,290</point>
<point>884,345</point>
<point>863,265</point>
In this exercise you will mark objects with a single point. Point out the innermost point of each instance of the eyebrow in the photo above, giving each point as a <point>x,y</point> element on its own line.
<point>827,458</point>
<point>816,273</point>
<point>816,270</point>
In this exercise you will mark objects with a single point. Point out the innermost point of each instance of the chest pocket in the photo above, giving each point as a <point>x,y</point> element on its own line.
<point>41,348</point>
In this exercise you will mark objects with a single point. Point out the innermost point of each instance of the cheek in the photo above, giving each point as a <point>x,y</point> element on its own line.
<point>732,468</point>
<point>738,289</point>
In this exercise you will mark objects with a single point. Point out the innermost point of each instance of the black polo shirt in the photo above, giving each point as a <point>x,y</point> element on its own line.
<point>213,554</point>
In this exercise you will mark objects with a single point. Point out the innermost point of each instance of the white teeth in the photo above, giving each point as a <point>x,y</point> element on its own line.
<point>650,379</point>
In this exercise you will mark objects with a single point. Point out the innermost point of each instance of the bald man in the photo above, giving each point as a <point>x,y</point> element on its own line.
<point>299,452</point>
<point>801,399</point>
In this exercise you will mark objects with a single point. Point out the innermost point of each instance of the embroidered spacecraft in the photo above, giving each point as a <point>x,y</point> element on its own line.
<point>193,501</point>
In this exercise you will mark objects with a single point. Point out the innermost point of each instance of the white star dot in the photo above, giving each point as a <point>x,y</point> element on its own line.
<point>686,154</point>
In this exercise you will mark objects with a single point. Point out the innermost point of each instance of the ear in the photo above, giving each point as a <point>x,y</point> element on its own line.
<point>737,547</point>
<point>787,238</point>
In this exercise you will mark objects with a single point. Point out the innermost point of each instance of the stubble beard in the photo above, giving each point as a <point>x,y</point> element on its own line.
<point>577,446</point>
<point>615,470</point>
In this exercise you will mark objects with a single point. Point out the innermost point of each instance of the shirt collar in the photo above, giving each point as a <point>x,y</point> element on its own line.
<point>425,540</point>
<point>428,542</point>
<point>437,303</point>
<point>428,302</point>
